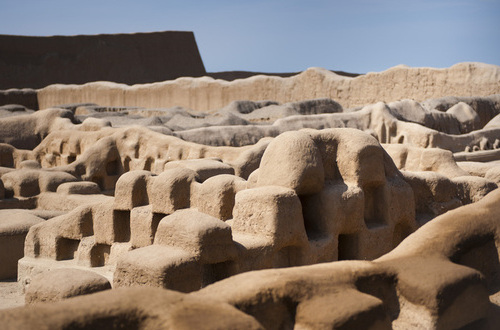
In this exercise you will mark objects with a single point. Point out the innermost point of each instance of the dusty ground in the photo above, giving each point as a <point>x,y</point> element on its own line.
<point>10,294</point>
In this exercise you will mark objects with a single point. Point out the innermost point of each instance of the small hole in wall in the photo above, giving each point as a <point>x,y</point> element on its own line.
<point>148,163</point>
<point>313,224</point>
<point>212,273</point>
<point>487,146</point>
<point>382,136</point>
<point>113,167</point>
<point>348,247</point>
<point>99,255</point>
<point>87,224</point>
<point>155,222</point>
<point>126,164</point>
<point>9,193</point>
<point>36,248</point>
<point>71,158</point>
<point>121,225</point>
<point>136,151</point>
<point>374,206</point>
<point>6,159</point>
<point>66,248</point>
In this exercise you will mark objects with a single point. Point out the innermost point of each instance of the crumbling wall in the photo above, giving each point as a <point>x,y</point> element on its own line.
<point>207,94</point>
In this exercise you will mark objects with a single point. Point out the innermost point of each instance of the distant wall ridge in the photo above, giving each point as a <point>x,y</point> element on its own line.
<point>208,94</point>
<point>138,58</point>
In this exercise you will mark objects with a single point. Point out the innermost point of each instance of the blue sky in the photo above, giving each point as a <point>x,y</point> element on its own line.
<point>285,36</point>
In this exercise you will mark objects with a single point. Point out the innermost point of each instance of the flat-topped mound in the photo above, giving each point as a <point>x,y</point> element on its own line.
<point>137,58</point>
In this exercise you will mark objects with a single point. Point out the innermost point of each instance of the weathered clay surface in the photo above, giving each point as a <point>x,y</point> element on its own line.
<point>292,212</point>
<point>207,94</point>
<point>442,276</point>
<point>59,284</point>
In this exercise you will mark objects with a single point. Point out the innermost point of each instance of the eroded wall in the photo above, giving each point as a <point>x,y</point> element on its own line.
<point>207,94</point>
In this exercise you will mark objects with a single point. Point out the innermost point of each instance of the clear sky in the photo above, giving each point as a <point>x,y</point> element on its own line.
<point>285,36</point>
